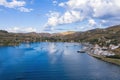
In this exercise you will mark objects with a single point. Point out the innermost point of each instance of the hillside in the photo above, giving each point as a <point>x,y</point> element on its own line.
<point>11,39</point>
<point>103,37</point>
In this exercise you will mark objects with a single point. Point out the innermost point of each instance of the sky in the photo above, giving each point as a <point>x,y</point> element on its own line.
<point>58,15</point>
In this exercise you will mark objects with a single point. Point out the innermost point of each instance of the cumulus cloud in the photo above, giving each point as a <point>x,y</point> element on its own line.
<point>55,18</point>
<point>98,8</point>
<point>70,17</point>
<point>21,30</point>
<point>15,4</point>
<point>90,10</point>
<point>103,8</point>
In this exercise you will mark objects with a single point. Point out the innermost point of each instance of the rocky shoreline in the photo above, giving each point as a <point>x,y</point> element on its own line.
<point>103,53</point>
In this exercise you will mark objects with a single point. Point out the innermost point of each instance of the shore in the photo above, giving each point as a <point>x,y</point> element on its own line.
<point>110,60</point>
<point>102,53</point>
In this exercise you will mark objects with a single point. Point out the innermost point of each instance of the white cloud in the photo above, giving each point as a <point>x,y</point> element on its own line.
<point>23,9</point>
<point>90,10</point>
<point>53,19</point>
<point>75,4</point>
<point>15,4</point>
<point>70,17</point>
<point>56,18</point>
<point>61,4</point>
<point>21,29</point>
<point>92,22</point>
<point>98,7</point>
<point>103,8</point>
<point>12,4</point>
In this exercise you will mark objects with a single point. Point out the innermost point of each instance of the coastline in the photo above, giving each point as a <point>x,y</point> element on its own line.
<point>102,53</point>
<point>91,50</point>
<point>110,60</point>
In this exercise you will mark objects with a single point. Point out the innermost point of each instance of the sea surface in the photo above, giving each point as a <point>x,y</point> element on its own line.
<point>53,61</point>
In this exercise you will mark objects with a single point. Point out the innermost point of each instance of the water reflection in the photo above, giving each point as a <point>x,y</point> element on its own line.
<point>52,48</point>
<point>53,61</point>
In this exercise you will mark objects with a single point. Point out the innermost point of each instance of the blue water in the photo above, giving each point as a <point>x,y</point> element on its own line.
<point>53,61</point>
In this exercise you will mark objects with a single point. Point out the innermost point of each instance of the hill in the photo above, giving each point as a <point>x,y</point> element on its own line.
<point>103,37</point>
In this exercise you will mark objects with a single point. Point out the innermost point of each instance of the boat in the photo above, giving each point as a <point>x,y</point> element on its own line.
<point>81,51</point>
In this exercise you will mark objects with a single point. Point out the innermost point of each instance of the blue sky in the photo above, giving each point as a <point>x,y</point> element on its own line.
<point>58,15</point>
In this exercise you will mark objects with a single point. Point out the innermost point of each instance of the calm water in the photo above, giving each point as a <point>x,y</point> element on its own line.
<point>53,61</point>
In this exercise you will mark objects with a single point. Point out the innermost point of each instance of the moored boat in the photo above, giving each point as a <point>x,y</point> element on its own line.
<point>81,51</point>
